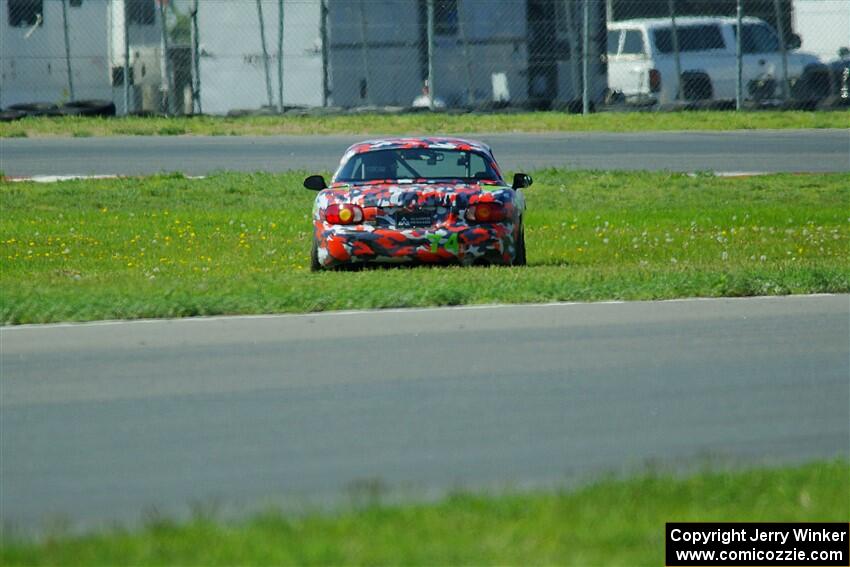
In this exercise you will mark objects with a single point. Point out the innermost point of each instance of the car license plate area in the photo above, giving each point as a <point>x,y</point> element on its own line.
<point>415,219</point>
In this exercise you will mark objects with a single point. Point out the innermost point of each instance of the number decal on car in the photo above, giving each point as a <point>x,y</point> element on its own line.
<point>451,244</point>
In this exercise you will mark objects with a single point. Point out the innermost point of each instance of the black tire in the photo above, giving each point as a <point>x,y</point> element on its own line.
<point>34,108</point>
<point>315,266</point>
<point>696,86</point>
<point>11,115</point>
<point>519,257</point>
<point>89,108</point>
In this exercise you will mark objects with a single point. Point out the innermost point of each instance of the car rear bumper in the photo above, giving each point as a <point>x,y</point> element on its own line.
<point>467,245</point>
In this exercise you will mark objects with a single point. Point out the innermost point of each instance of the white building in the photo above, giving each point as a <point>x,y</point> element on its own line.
<point>823,25</point>
<point>335,52</point>
<point>33,63</point>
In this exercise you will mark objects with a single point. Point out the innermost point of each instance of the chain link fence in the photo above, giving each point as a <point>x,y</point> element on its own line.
<point>276,56</point>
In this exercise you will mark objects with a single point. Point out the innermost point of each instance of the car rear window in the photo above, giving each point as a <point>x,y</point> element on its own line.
<point>417,163</point>
<point>691,38</point>
<point>633,44</point>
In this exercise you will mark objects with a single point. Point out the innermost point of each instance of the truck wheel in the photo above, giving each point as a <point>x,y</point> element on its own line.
<point>696,86</point>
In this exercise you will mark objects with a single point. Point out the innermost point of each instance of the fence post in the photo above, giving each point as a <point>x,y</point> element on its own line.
<point>572,33</point>
<point>196,59</point>
<point>165,76</point>
<point>780,29</point>
<point>739,61</point>
<point>674,34</point>
<point>67,49</point>
<point>126,57</point>
<point>265,53</point>
<point>280,56</point>
<point>585,60</point>
<point>323,26</point>
<point>430,32</point>
<point>470,94</point>
<point>364,41</point>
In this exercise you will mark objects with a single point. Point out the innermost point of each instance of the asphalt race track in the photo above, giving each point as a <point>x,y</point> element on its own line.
<point>103,421</point>
<point>738,151</point>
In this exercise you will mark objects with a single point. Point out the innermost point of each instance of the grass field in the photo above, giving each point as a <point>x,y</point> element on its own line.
<point>609,523</point>
<point>168,246</point>
<point>421,123</point>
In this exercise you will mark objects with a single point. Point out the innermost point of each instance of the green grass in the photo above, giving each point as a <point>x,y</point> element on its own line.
<point>608,523</point>
<point>167,246</point>
<point>421,123</point>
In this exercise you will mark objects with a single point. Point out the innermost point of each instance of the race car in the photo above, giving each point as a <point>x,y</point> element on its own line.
<point>418,201</point>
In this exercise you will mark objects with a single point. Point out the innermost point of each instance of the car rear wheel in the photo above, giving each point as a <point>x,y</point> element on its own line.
<point>315,266</point>
<point>519,258</point>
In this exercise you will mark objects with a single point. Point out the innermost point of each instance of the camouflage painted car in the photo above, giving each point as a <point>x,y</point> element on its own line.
<point>418,201</point>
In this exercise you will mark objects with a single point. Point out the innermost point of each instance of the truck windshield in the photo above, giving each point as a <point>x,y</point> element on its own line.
<point>417,163</point>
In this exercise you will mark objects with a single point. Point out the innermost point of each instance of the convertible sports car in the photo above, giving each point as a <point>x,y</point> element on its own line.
<point>418,200</point>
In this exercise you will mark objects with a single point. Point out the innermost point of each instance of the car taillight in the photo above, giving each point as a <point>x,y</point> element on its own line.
<point>654,80</point>
<point>343,214</point>
<point>486,212</point>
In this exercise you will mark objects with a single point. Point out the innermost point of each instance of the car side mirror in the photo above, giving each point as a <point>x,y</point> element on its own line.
<point>521,180</point>
<point>315,183</point>
<point>794,42</point>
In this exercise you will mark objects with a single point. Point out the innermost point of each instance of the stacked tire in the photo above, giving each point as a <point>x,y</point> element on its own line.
<point>75,108</point>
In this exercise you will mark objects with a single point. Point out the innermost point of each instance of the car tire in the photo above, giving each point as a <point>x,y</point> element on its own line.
<point>11,115</point>
<point>34,108</point>
<point>88,108</point>
<point>696,86</point>
<point>519,257</point>
<point>315,266</point>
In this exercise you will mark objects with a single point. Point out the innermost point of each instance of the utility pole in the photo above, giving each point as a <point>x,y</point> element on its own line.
<point>739,60</point>
<point>67,49</point>
<point>585,63</point>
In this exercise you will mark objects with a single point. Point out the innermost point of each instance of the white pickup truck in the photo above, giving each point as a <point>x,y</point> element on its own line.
<point>642,65</point>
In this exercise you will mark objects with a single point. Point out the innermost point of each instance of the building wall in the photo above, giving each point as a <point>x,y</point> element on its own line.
<point>231,62</point>
<point>507,38</point>
<point>33,67</point>
<point>386,69</point>
<point>491,38</point>
<point>823,25</point>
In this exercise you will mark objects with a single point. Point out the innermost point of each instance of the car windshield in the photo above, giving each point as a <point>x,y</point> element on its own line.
<point>757,38</point>
<point>417,163</point>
